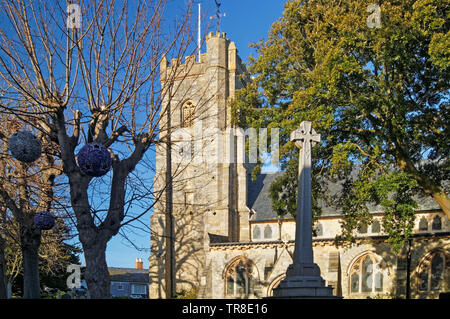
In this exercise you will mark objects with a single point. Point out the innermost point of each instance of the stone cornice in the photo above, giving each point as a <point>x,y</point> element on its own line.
<point>316,241</point>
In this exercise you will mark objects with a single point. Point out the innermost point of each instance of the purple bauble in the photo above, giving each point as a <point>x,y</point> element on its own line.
<point>94,159</point>
<point>44,220</point>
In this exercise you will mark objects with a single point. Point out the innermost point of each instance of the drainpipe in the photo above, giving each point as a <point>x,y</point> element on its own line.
<point>408,271</point>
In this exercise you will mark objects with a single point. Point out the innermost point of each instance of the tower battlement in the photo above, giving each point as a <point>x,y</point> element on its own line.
<point>220,52</point>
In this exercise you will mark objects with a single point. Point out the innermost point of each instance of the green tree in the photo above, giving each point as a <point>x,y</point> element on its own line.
<point>378,96</point>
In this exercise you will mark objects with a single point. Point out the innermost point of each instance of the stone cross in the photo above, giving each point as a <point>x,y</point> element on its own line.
<point>304,137</point>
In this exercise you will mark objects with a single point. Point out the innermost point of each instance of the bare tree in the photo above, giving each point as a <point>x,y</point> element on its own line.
<point>3,285</point>
<point>96,83</point>
<point>25,189</point>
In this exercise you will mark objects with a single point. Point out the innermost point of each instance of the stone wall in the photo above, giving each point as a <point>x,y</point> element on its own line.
<point>205,192</point>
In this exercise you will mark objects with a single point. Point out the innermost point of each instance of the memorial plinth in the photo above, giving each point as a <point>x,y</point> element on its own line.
<point>303,278</point>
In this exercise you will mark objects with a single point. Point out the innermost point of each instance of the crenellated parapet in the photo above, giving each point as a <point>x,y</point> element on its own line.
<point>220,53</point>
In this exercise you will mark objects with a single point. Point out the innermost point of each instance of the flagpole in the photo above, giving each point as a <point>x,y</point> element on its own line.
<point>199,45</point>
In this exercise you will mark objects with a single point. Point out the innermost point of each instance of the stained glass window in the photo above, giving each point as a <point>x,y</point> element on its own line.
<point>432,272</point>
<point>355,282</point>
<point>362,229</point>
<point>376,226</point>
<point>423,280</point>
<point>256,232</point>
<point>423,224</point>
<point>437,271</point>
<point>239,279</point>
<point>437,223</point>
<point>366,275</point>
<point>318,230</point>
<point>268,232</point>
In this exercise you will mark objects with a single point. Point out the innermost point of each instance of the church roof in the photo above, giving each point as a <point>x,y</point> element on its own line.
<point>259,201</point>
<point>258,198</point>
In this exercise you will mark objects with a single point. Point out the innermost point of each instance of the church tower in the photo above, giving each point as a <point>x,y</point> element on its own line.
<point>209,186</point>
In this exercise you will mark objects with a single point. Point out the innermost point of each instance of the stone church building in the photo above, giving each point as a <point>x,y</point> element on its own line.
<point>229,243</point>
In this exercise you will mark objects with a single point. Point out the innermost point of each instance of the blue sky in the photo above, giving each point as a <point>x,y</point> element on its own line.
<point>245,21</point>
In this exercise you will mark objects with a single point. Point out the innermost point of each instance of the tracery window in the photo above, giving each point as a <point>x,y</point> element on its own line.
<point>239,278</point>
<point>256,232</point>
<point>268,232</point>
<point>437,223</point>
<point>366,275</point>
<point>423,224</point>
<point>188,113</point>
<point>376,226</point>
<point>318,230</point>
<point>362,229</point>
<point>433,271</point>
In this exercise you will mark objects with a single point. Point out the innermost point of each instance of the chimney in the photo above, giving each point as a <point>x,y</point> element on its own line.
<point>139,263</point>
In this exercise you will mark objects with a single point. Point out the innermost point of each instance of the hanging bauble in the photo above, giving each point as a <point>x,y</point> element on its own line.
<point>25,146</point>
<point>44,220</point>
<point>94,159</point>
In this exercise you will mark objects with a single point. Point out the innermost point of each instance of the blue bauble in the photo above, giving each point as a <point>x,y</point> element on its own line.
<point>25,146</point>
<point>94,159</point>
<point>44,220</point>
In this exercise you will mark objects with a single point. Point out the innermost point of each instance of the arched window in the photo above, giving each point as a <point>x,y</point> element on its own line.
<point>423,224</point>
<point>256,232</point>
<point>366,275</point>
<point>318,230</point>
<point>362,229</point>
<point>187,114</point>
<point>239,278</point>
<point>437,223</point>
<point>433,271</point>
<point>376,226</point>
<point>267,232</point>
<point>275,284</point>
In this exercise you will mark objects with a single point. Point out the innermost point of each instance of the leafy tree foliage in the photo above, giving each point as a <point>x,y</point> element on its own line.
<point>379,97</point>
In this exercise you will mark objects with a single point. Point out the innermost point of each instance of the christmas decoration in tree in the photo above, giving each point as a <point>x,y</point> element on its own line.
<point>25,146</point>
<point>44,220</point>
<point>94,159</point>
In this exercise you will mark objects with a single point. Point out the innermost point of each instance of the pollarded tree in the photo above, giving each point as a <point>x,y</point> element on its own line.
<point>25,189</point>
<point>94,79</point>
<point>377,92</point>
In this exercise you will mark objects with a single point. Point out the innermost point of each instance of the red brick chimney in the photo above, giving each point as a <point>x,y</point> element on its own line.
<point>139,263</point>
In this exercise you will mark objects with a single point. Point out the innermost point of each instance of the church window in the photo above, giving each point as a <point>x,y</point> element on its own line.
<point>437,223</point>
<point>376,226</point>
<point>267,232</point>
<point>256,232</point>
<point>318,230</point>
<point>240,281</point>
<point>423,224</point>
<point>188,113</point>
<point>366,275</point>
<point>362,229</point>
<point>433,271</point>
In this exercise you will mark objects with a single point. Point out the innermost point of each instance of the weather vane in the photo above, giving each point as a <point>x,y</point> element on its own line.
<point>218,14</point>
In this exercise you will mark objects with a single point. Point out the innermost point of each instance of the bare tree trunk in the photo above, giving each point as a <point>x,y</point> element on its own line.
<point>3,287</point>
<point>426,183</point>
<point>30,241</point>
<point>442,199</point>
<point>96,272</point>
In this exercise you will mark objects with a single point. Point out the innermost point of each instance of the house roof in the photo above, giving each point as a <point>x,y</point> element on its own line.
<point>128,275</point>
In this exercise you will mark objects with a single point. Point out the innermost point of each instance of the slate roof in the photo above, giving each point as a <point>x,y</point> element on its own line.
<point>128,275</point>
<point>258,196</point>
<point>259,201</point>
